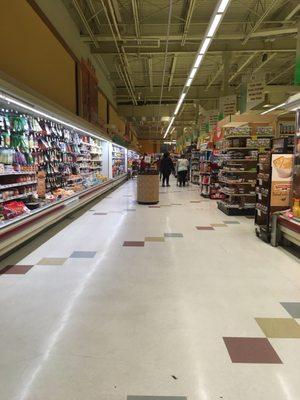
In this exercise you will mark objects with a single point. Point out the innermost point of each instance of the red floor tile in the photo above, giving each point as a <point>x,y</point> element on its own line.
<point>133,244</point>
<point>15,269</point>
<point>251,350</point>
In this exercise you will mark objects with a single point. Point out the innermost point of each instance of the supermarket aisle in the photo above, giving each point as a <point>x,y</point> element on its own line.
<point>94,319</point>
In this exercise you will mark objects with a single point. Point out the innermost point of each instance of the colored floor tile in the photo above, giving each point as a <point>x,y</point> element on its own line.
<point>176,204</point>
<point>283,328</point>
<point>292,308</point>
<point>83,254</point>
<point>219,225</point>
<point>99,213</point>
<point>15,269</point>
<point>154,239</point>
<point>173,235</point>
<point>134,244</point>
<point>52,261</point>
<point>154,206</point>
<point>251,350</point>
<point>156,398</point>
<point>197,201</point>
<point>204,228</point>
<point>231,222</point>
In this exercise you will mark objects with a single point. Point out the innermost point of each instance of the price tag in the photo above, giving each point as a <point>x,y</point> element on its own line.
<point>259,212</point>
<point>260,196</point>
<point>260,181</point>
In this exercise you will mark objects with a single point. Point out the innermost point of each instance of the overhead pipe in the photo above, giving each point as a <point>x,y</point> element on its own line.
<point>120,53</point>
<point>187,21</point>
<point>91,34</point>
<point>166,55</point>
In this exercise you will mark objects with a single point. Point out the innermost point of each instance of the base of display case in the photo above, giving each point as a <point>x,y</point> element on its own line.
<point>206,196</point>
<point>288,230</point>
<point>235,211</point>
<point>16,232</point>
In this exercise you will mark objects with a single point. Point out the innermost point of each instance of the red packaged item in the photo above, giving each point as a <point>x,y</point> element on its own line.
<point>13,209</point>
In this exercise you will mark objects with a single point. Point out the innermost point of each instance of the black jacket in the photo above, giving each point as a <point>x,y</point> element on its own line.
<point>166,165</point>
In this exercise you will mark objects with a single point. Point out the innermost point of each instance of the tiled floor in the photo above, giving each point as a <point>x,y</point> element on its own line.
<point>142,305</point>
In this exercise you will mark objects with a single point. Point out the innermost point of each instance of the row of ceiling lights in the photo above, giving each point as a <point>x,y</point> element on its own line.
<point>215,21</point>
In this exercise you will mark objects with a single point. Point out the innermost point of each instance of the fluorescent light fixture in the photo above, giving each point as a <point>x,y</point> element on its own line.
<point>198,61</point>
<point>223,5</point>
<point>45,115</point>
<point>267,105</point>
<point>193,73</point>
<point>214,25</point>
<point>177,108</point>
<point>205,45</point>
<point>273,108</point>
<point>189,82</point>
<point>182,98</point>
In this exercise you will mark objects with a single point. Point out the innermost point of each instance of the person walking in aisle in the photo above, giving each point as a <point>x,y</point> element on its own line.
<point>182,169</point>
<point>166,167</point>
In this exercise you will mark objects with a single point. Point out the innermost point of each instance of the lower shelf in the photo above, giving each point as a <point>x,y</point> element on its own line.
<point>18,231</point>
<point>235,211</point>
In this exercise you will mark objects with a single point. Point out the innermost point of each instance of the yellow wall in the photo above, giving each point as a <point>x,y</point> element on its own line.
<point>114,119</point>
<point>32,54</point>
<point>150,146</point>
<point>102,107</point>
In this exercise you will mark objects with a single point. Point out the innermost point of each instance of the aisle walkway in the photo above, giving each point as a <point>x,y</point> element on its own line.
<point>92,319</point>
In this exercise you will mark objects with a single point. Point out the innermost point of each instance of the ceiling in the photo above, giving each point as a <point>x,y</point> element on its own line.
<point>149,59</point>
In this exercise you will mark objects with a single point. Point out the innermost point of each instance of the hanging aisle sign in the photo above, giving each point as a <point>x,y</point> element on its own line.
<point>213,118</point>
<point>256,90</point>
<point>228,105</point>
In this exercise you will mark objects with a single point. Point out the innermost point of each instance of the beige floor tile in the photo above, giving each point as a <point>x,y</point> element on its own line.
<point>279,327</point>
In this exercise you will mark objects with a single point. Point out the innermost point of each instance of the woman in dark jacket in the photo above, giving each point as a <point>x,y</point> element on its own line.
<point>166,167</point>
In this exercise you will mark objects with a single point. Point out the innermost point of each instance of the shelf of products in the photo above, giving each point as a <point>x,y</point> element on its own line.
<point>195,167</point>
<point>274,184</point>
<point>209,170</point>
<point>42,161</point>
<point>240,149</point>
<point>118,161</point>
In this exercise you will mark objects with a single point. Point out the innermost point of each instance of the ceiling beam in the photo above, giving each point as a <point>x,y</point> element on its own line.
<point>188,18</point>
<point>173,68</point>
<point>285,70</point>
<point>190,49</point>
<point>264,63</point>
<point>261,19</point>
<point>293,12</point>
<point>150,72</point>
<point>128,39</point>
<point>214,77</point>
<point>135,12</point>
<point>243,66</point>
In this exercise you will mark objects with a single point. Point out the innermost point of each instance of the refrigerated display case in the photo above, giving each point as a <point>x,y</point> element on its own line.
<point>286,225</point>
<point>51,163</point>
